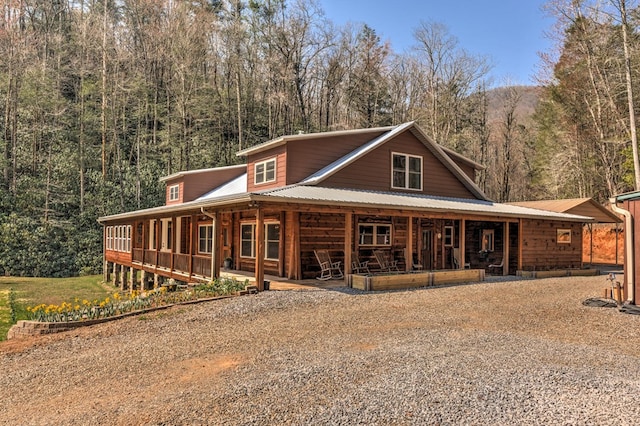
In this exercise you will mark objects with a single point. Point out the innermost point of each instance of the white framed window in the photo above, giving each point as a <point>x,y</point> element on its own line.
<point>119,238</point>
<point>406,171</point>
<point>174,192</point>
<point>265,171</point>
<point>205,238</point>
<point>448,236</point>
<point>488,240</point>
<point>271,239</point>
<point>374,234</point>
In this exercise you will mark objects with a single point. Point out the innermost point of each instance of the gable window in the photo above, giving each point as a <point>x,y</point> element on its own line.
<point>374,234</point>
<point>406,171</point>
<point>271,236</point>
<point>265,171</point>
<point>174,192</point>
<point>205,238</point>
<point>488,239</point>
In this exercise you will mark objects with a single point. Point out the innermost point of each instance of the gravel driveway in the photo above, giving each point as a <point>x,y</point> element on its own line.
<point>517,352</point>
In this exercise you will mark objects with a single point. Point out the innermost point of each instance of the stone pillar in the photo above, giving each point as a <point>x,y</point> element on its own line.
<point>156,281</point>
<point>106,277</point>
<point>123,277</point>
<point>132,279</point>
<point>143,280</point>
<point>115,275</point>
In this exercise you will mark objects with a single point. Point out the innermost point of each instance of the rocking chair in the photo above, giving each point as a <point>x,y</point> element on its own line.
<point>496,265</point>
<point>386,262</point>
<point>328,269</point>
<point>358,266</point>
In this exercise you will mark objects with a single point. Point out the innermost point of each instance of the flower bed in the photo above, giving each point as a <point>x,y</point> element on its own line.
<point>120,304</point>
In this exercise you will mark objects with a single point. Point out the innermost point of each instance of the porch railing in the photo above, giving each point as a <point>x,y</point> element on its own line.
<point>202,266</point>
<point>138,255</point>
<point>181,262</point>
<point>150,257</point>
<point>164,259</point>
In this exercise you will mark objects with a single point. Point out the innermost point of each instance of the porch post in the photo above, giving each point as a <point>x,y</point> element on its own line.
<point>215,264</point>
<point>408,261</point>
<point>259,274</point>
<point>105,272</point>
<point>156,281</point>
<point>462,239</point>
<point>520,234</point>
<point>143,280</point>
<point>505,259</point>
<point>348,241</point>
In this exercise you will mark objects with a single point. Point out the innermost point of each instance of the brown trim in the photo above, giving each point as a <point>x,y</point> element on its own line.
<point>259,272</point>
<point>348,237</point>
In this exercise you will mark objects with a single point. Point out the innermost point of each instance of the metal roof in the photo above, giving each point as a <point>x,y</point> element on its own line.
<point>302,194</point>
<point>191,172</point>
<point>302,136</point>
<point>362,198</point>
<point>628,196</point>
<point>234,186</point>
<point>574,205</point>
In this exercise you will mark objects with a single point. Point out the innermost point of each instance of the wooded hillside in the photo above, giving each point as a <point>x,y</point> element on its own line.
<point>100,98</point>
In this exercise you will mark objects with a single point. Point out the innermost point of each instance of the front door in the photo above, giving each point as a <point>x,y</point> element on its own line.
<point>427,248</point>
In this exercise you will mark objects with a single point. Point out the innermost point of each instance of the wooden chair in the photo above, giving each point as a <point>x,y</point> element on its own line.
<point>456,259</point>
<point>328,269</point>
<point>386,262</point>
<point>357,266</point>
<point>415,265</point>
<point>496,265</point>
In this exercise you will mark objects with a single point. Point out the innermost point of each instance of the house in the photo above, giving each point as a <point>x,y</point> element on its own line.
<point>628,205</point>
<point>356,191</point>
<point>579,206</point>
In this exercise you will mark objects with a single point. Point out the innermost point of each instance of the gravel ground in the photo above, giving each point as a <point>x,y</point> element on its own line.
<point>495,353</point>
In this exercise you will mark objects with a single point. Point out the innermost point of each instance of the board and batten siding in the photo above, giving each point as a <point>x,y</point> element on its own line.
<point>633,206</point>
<point>194,185</point>
<point>305,157</point>
<point>540,249</point>
<point>373,171</point>
<point>280,154</point>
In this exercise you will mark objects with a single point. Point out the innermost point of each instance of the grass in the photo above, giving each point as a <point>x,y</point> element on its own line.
<point>34,291</point>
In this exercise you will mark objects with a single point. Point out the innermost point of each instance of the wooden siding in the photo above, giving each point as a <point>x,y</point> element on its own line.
<point>306,157</point>
<point>320,231</point>
<point>194,185</point>
<point>280,154</point>
<point>373,171</point>
<point>541,251</point>
<point>633,206</point>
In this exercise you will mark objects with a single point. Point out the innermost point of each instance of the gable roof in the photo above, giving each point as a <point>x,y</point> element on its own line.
<point>435,149</point>
<point>198,171</point>
<point>581,206</point>
<point>304,136</point>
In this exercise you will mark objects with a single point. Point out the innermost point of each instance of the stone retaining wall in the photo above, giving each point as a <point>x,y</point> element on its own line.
<point>35,328</point>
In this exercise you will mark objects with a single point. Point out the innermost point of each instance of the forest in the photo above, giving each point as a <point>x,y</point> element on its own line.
<point>101,98</point>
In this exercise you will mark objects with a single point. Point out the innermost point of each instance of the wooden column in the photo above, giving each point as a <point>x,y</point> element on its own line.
<point>259,273</point>
<point>294,269</point>
<point>409,245</point>
<point>132,278</point>
<point>143,280</point>
<point>156,281</point>
<point>462,241</point>
<point>348,241</point>
<point>281,244</point>
<point>520,233</point>
<point>193,240</point>
<point>505,259</point>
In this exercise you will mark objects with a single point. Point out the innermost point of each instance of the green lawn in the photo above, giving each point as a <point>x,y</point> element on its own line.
<point>34,291</point>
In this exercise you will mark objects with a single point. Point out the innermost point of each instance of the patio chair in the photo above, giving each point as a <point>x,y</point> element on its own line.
<point>415,265</point>
<point>386,261</point>
<point>358,266</point>
<point>456,260</point>
<point>328,269</point>
<point>496,265</point>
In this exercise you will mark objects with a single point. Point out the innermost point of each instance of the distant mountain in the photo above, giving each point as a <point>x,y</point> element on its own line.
<point>529,97</point>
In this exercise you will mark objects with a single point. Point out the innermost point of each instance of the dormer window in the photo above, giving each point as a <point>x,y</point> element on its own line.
<point>265,171</point>
<point>174,192</point>
<point>406,171</point>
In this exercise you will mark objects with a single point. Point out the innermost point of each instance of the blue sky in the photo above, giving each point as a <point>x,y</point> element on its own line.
<point>510,32</point>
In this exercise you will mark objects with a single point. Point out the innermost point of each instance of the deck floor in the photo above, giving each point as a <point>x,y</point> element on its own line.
<point>281,283</point>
